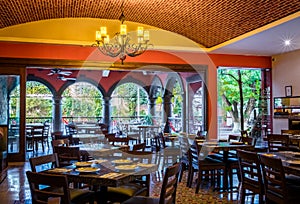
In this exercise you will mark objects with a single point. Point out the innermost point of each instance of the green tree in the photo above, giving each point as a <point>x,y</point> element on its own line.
<point>82,100</point>
<point>239,93</point>
<point>38,100</point>
<point>126,96</point>
<point>177,99</point>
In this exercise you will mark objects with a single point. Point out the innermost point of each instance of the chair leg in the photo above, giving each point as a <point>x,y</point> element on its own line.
<point>190,179</point>
<point>242,199</point>
<point>199,180</point>
<point>183,167</point>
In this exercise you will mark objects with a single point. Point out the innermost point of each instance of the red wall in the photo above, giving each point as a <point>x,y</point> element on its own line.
<point>71,52</point>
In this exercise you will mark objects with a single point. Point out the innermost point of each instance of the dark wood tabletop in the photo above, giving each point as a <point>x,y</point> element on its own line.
<point>290,161</point>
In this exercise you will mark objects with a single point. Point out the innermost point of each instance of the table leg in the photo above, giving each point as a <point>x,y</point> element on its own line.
<point>225,179</point>
<point>101,196</point>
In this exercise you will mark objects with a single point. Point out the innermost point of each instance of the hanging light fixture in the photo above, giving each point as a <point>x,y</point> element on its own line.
<point>120,45</point>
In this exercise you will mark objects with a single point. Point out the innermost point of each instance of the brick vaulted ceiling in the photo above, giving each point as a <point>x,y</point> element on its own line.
<point>207,22</point>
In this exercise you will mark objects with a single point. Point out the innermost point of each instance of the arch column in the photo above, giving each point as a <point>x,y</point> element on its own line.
<point>106,105</point>
<point>151,107</point>
<point>57,113</point>
<point>167,106</point>
<point>184,112</point>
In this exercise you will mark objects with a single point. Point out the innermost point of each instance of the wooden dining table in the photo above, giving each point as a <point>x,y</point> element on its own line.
<point>104,173</point>
<point>89,137</point>
<point>290,161</point>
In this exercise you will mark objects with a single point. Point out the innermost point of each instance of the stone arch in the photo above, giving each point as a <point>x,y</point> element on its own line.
<point>128,79</point>
<point>43,81</point>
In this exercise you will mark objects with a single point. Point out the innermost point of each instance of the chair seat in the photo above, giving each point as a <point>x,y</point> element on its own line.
<point>124,192</point>
<point>79,195</point>
<point>129,190</point>
<point>293,180</point>
<point>75,194</point>
<point>142,200</point>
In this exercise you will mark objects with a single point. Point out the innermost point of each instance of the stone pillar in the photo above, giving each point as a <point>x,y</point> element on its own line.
<point>184,112</point>
<point>3,100</point>
<point>57,114</point>
<point>167,106</point>
<point>106,105</point>
<point>151,106</point>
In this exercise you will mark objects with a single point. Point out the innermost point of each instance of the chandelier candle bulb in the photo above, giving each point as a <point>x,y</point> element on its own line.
<point>140,31</point>
<point>98,35</point>
<point>106,39</point>
<point>123,30</point>
<point>146,35</point>
<point>103,31</point>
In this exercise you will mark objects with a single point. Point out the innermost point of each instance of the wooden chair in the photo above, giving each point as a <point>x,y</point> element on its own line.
<point>44,162</point>
<point>71,129</point>
<point>139,147</point>
<point>138,187</point>
<point>209,168</point>
<point>45,133</point>
<point>121,142</point>
<point>67,155</point>
<point>248,141</point>
<point>67,195</point>
<point>290,132</point>
<point>30,140</point>
<point>184,157</point>
<point>244,133</point>
<point>103,128</point>
<point>37,133</point>
<point>233,138</point>
<point>250,174</point>
<point>277,189</point>
<point>168,155</point>
<point>60,142</point>
<point>118,141</point>
<point>168,190</point>
<point>277,142</point>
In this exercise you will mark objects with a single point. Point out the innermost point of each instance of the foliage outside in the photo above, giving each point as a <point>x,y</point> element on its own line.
<point>229,94</point>
<point>82,100</point>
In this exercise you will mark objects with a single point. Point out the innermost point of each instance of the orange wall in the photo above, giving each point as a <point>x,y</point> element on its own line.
<point>68,52</point>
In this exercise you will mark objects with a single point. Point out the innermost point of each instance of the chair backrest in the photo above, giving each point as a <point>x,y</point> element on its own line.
<point>110,135</point>
<point>201,134</point>
<point>37,131</point>
<point>67,155</point>
<point>162,140</point>
<point>139,147</point>
<point>71,129</point>
<point>250,172</point>
<point>193,155</point>
<point>40,195</point>
<point>118,140</point>
<point>274,179</point>
<point>57,135</point>
<point>244,133</point>
<point>277,142</point>
<point>290,132</point>
<point>184,145</point>
<point>248,140</point>
<point>46,130</point>
<point>233,137</point>
<point>43,162</point>
<point>169,185</point>
<point>60,142</point>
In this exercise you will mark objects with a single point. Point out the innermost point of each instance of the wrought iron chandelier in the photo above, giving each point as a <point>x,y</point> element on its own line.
<point>120,45</point>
